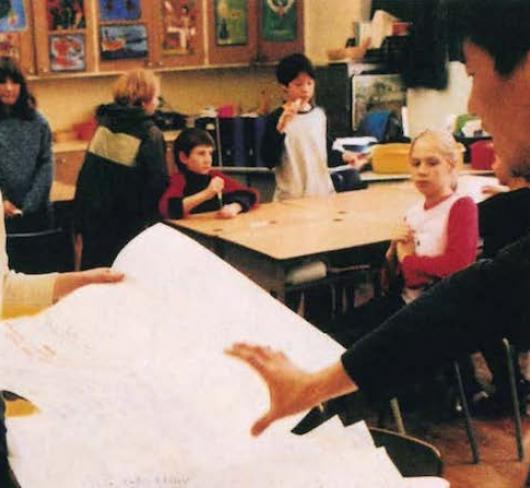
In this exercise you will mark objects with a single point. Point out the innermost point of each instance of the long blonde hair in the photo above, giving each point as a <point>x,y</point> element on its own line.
<point>135,88</point>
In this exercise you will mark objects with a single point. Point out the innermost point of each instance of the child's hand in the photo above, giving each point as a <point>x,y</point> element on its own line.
<point>355,160</point>
<point>229,211</point>
<point>403,233</point>
<point>404,249</point>
<point>216,185</point>
<point>10,210</point>
<point>290,109</point>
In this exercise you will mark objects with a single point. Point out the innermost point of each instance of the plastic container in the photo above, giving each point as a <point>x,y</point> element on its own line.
<point>482,155</point>
<point>394,158</point>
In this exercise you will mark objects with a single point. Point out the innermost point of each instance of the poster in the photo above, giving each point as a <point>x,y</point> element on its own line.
<point>65,14</point>
<point>123,41</point>
<point>180,26</point>
<point>377,92</point>
<point>119,10</point>
<point>12,15</point>
<point>9,45</point>
<point>231,22</point>
<point>279,20</point>
<point>67,52</point>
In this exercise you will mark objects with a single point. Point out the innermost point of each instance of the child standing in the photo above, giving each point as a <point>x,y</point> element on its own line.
<point>196,187</point>
<point>124,173</point>
<point>438,237</point>
<point>295,141</point>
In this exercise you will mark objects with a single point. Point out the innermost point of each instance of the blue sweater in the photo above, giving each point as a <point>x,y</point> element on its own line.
<point>26,168</point>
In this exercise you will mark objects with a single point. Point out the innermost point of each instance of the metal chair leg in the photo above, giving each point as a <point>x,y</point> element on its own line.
<point>515,400</point>
<point>467,415</point>
<point>396,412</point>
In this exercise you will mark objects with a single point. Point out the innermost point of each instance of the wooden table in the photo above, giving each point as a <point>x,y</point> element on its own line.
<point>267,242</point>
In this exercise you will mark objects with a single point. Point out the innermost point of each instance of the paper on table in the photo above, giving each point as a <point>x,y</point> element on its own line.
<point>135,390</point>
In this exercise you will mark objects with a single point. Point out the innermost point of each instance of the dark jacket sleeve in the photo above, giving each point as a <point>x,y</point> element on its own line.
<point>152,161</point>
<point>478,305</point>
<point>272,143</point>
<point>236,192</point>
<point>170,205</point>
<point>42,179</point>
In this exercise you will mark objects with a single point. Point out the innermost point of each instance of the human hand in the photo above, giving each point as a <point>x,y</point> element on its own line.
<point>402,233</point>
<point>404,249</point>
<point>101,275</point>
<point>10,210</point>
<point>230,210</point>
<point>216,185</point>
<point>493,189</point>
<point>68,282</point>
<point>355,160</point>
<point>290,109</point>
<point>285,381</point>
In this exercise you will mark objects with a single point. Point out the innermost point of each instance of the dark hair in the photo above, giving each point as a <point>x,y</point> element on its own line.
<point>501,27</point>
<point>291,66</point>
<point>24,107</point>
<point>187,140</point>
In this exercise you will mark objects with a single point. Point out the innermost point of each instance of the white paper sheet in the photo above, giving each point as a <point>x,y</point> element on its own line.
<point>134,389</point>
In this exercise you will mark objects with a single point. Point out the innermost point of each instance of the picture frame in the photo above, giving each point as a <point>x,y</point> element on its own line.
<point>67,52</point>
<point>119,10</point>
<point>231,22</point>
<point>65,15</point>
<point>376,92</point>
<point>123,41</point>
<point>13,16</point>
<point>179,26</point>
<point>279,20</point>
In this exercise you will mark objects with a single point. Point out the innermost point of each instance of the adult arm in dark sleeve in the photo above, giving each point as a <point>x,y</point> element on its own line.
<point>272,143</point>
<point>38,195</point>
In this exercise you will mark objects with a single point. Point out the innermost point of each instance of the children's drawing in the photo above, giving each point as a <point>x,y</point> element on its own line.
<point>12,15</point>
<point>65,14</point>
<point>119,10</point>
<point>123,42</point>
<point>231,22</point>
<point>67,52</point>
<point>180,26</point>
<point>9,45</point>
<point>279,20</point>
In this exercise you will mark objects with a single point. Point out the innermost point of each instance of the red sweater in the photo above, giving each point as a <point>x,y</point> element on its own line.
<point>184,184</point>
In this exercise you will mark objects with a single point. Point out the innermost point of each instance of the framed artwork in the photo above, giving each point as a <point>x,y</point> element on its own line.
<point>9,45</point>
<point>65,14</point>
<point>231,22</point>
<point>121,41</point>
<point>376,92</point>
<point>12,15</point>
<point>67,52</point>
<point>113,10</point>
<point>180,26</point>
<point>279,20</point>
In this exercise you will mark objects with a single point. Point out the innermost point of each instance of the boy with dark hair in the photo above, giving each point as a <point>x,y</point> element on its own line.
<point>196,187</point>
<point>483,303</point>
<point>295,142</point>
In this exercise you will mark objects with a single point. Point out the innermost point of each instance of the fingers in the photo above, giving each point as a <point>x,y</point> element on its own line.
<point>261,424</point>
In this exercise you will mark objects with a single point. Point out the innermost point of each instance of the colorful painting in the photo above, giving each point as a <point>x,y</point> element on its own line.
<point>231,27</point>
<point>65,14</point>
<point>9,45</point>
<point>279,20</point>
<point>67,52</point>
<point>12,15</point>
<point>112,10</point>
<point>377,92</point>
<point>123,42</point>
<point>180,26</point>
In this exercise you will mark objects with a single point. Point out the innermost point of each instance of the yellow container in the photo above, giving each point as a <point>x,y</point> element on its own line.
<point>394,158</point>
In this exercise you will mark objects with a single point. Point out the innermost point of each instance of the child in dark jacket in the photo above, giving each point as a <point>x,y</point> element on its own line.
<point>196,187</point>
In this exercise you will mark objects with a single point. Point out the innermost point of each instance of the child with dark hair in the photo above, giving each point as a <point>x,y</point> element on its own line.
<point>295,142</point>
<point>196,187</point>
<point>26,158</point>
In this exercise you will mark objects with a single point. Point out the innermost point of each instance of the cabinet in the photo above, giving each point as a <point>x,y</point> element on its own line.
<point>68,163</point>
<point>253,31</point>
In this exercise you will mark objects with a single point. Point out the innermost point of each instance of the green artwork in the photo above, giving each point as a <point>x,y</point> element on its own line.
<point>231,22</point>
<point>279,20</point>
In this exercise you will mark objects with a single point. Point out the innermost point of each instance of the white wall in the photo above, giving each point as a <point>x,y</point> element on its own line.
<point>431,108</point>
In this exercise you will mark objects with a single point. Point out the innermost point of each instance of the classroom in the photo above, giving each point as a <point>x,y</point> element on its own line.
<point>239,179</point>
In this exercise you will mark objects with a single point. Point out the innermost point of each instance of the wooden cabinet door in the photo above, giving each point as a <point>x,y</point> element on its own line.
<point>281,28</point>
<point>16,38</point>
<point>179,33</point>
<point>63,33</point>
<point>67,166</point>
<point>125,34</point>
<point>232,31</point>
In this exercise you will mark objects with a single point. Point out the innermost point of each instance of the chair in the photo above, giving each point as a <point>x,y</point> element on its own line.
<point>40,252</point>
<point>515,404</point>
<point>412,457</point>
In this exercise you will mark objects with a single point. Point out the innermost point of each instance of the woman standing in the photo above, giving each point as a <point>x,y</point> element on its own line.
<point>25,154</point>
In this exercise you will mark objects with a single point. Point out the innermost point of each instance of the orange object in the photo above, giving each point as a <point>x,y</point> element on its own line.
<point>482,155</point>
<point>85,130</point>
